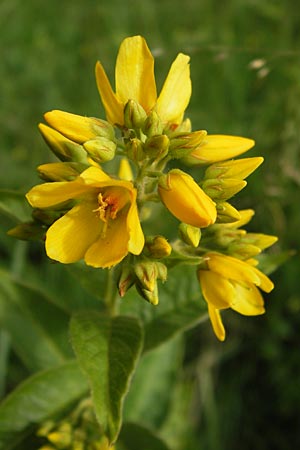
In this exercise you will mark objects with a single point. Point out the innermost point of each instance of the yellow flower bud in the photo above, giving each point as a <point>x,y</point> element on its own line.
<point>189,234</point>
<point>158,247</point>
<point>100,149</point>
<point>62,147</point>
<point>150,296</point>
<point>184,198</point>
<point>182,143</point>
<point>79,128</point>
<point>226,213</point>
<point>134,115</point>
<point>146,272</point>
<point>153,125</point>
<point>216,148</point>
<point>222,189</point>
<point>61,171</point>
<point>135,150</point>
<point>239,168</point>
<point>157,146</point>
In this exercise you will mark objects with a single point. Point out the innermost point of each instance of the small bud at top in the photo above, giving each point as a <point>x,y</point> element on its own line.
<point>157,247</point>
<point>153,125</point>
<point>134,115</point>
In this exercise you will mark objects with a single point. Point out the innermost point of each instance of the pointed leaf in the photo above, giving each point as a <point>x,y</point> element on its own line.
<point>107,349</point>
<point>37,327</point>
<point>37,399</point>
<point>14,205</point>
<point>180,307</point>
<point>137,437</point>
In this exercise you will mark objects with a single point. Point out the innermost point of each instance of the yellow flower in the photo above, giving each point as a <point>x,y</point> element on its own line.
<point>215,148</point>
<point>102,227</point>
<point>186,200</point>
<point>231,283</point>
<point>134,77</point>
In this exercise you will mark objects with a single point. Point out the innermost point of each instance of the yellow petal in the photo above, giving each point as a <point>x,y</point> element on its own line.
<point>176,92</point>
<point>248,300</point>
<point>135,73</point>
<point>216,290</point>
<point>264,282</point>
<point>109,250</point>
<point>112,105</point>
<point>125,172</point>
<point>216,148</point>
<point>136,235</point>
<point>186,200</point>
<point>50,194</point>
<point>68,238</point>
<point>216,321</point>
<point>232,268</point>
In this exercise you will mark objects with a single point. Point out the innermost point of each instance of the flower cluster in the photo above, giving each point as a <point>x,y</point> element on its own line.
<point>83,211</point>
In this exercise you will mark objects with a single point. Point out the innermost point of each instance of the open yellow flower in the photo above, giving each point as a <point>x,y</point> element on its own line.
<point>102,227</point>
<point>231,283</point>
<point>135,80</point>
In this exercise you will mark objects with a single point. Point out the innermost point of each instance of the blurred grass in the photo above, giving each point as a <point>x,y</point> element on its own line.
<point>48,52</point>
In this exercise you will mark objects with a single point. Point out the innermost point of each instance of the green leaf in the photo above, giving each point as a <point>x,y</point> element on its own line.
<point>107,349</point>
<point>14,205</point>
<point>137,437</point>
<point>37,327</point>
<point>149,398</point>
<point>41,396</point>
<point>168,325</point>
<point>180,307</point>
<point>91,279</point>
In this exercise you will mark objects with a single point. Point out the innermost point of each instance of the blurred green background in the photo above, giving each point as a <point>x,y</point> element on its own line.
<point>245,67</point>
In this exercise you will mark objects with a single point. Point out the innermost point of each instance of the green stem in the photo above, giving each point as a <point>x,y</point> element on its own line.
<point>111,296</point>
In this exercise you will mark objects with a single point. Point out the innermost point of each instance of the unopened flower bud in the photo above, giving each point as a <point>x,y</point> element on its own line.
<point>157,146</point>
<point>146,272</point>
<point>262,241</point>
<point>239,168</point>
<point>158,247</point>
<point>222,189</point>
<point>62,437</point>
<point>189,234</point>
<point>79,128</point>
<point>150,296</point>
<point>61,171</point>
<point>134,115</point>
<point>153,125</point>
<point>185,126</point>
<point>135,150</point>
<point>226,213</point>
<point>28,231</point>
<point>183,143</point>
<point>125,279</point>
<point>100,149</point>
<point>62,147</point>
<point>162,271</point>
<point>184,198</point>
<point>244,251</point>
<point>216,148</point>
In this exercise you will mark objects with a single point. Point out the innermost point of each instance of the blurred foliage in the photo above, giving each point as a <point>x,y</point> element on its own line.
<point>246,81</point>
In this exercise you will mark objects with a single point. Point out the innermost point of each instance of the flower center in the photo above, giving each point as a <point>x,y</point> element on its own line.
<point>110,202</point>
